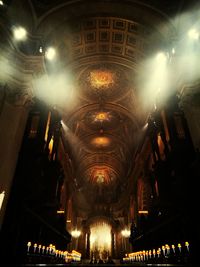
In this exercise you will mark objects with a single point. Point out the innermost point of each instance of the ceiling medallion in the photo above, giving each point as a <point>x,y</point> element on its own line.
<point>101,176</point>
<point>103,82</point>
<point>101,141</point>
<point>101,79</point>
<point>101,116</point>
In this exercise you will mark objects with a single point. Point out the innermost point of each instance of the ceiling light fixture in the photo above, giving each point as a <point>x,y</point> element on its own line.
<point>125,233</point>
<point>20,33</point>
<point>50,53</point>
<point>76,233</point>
<point>40,49</point>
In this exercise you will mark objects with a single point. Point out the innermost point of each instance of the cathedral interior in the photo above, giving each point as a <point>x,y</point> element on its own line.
<point>99,130</point>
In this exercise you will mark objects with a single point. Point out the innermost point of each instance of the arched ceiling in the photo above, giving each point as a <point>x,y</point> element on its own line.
<point>103,44</point>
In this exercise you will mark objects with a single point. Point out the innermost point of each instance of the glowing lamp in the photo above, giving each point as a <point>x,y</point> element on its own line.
<point>125,233</point>
<point>1,3</point>
<point>60,211</point>
<point>76,233</point>
<point>143,212</point>
<point>20,33</point>
<point>50,53</point>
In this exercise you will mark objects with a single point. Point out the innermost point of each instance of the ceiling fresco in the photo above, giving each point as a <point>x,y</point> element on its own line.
<point>104,82</point>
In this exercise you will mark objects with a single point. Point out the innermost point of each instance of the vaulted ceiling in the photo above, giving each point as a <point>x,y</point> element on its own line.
<point>103,44</point>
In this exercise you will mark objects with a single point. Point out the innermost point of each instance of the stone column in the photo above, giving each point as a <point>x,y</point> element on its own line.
<point>16,94</point>
<point>88,244</point>
<point>113,247</point>
<point>190,104</point>
<point>13,117</point>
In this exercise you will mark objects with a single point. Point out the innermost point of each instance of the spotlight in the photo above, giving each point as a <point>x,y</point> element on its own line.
<point>193,34</point>
<point>50,53</point>
<point>40,49</point>
<point>20,33</point>
<point>1,3</point>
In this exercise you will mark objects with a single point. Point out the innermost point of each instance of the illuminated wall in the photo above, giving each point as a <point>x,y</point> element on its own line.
<point>100,239</point>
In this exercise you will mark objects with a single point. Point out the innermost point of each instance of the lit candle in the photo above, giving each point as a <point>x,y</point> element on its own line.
<point>163,249</point>
<point>158,252</point>
<point>154,253</point>
<point>28,246</point>
<point>39,247</point>
<point>187,245</point>
<point>150,254</point>
<point>50,249</point>
<point>35,247</point>
<point>53,250</point>
<point>147,254</point>
<point>144,255</point>
<point>179,247</point>
<point>43,249</point>
<point>167,248</point>
<point>173,248</point>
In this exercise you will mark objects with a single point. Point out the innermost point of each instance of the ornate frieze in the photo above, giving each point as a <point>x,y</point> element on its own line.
<point>17,75</point>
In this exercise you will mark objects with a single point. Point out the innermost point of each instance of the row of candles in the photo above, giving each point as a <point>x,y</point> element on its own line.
<point>51,250</point>
<point>48,250</point>
<point>165,251</point>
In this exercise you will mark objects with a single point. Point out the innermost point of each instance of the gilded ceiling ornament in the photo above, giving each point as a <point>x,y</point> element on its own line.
<point>101,141</point>
<point>102,79</point>
<point>101,175</point>
<point>102,116</point>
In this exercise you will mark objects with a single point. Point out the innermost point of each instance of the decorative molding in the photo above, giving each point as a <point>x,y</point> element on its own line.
<point>16,96</point>
<point>17,75</point>
<point>189,95</point>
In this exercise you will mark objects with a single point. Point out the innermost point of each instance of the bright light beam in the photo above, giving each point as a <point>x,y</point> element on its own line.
<point>161,58</point>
